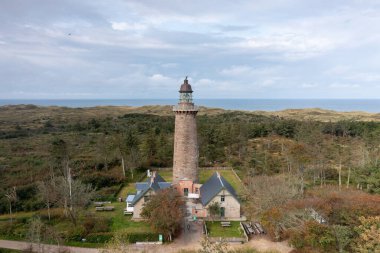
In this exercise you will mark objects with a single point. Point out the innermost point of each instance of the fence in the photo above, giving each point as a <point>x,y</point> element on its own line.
<point>244,232</point>
<point>228,239</point>
<point>200,168</point>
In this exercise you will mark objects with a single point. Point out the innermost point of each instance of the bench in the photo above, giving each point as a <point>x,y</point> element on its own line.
<point>225,224</point>
<point>104,208</point>
<point>109,208</point>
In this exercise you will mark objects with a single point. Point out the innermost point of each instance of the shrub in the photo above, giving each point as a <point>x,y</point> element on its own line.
<point>75,234</point>
<point>313,235</point>
<point>99,237</point>
<point>93,224</point>
<point>142,237</point>
<point>127,237</point>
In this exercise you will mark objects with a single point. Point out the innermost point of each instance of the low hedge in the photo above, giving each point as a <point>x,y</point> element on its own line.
<point>129,237</point>
<point>99,237</point>
<point>142,237</point>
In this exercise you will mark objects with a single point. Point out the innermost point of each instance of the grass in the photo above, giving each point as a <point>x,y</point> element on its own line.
<point>84,244</point>
<point>129,189</point>
<point>166,174</point>
<point>121,221</point>
<point>18,215</point>
<point>2,250</point>
<point>216,230</point>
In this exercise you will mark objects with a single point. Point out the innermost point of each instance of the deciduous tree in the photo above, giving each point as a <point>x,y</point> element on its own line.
<point>165,212</point>
<point>11,196</point>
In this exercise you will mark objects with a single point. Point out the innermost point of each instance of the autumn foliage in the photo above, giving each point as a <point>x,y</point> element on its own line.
<point>352,221</point>
<point>164,212</point>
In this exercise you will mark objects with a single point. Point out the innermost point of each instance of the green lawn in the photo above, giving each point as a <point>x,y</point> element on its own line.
<point>166,174</point>
<point>18,215</point>
<point>129,189</point>
<point>214,229</point>
<point>9,251</point>
<point>121,221</point>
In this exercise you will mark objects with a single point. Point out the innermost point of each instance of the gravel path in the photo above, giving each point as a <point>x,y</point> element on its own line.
<point>258,243</point>
<point>17,245</point>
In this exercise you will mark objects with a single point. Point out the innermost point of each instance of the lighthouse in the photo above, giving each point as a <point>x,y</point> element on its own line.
<point>185,159</point>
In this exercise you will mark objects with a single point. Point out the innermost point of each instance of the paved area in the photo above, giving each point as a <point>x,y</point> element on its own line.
<point>17,245</point>
<point>259,243</point>
<point>191,231</point>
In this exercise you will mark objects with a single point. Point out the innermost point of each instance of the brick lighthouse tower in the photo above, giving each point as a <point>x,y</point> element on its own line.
<point>185,160</point>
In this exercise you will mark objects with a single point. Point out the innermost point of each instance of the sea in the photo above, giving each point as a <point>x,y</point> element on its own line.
<point>342,105</point>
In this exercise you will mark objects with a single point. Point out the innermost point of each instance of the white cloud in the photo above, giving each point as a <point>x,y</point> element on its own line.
<point>123,26</point>
<point>159,78</point>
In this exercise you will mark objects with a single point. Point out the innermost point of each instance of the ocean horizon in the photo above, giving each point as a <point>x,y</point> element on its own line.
<point>341,105</point>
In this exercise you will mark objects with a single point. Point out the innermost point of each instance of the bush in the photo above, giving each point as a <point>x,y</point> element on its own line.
<point>128,237</point>
<point>93,224</point>
<point>7,228</point>
<point>76,234</point>
<point>142,237</point>
<point>313,235</point>
<point>99,237</point>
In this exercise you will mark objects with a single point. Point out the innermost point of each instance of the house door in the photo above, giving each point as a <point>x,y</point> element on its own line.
<point>222,212</point>
<point>186,191</point>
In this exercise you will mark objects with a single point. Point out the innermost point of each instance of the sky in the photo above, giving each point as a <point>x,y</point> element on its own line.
<point>91,49</point>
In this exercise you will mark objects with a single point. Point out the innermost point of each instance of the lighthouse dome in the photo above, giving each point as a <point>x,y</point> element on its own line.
<point>185,87</point>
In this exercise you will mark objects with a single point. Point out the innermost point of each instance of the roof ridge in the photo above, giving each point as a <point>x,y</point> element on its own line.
<point>220,180</point>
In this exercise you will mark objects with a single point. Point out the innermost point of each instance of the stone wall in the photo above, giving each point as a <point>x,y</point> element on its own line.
<point>137,208</point>
<point>230,204</point>
<point>185,160</point>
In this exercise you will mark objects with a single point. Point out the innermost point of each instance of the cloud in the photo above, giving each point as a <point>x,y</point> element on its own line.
<point>159,78</point>
<point>123,26</point>
<point>128,49</point>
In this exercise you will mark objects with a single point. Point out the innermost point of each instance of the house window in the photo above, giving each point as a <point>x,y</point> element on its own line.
<point>146,198</point>
<point>186,191</point>
<point>196,190</point>
<point>222,198</point>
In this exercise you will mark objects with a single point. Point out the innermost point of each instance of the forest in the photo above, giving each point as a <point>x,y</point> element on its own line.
<point>286,164</point>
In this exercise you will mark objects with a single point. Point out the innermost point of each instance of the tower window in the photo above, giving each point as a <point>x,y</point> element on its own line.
<point>222,198</point>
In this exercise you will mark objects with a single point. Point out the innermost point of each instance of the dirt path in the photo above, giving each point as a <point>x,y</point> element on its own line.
<point>258,243</point>
<point>17,245</point>
<point>263,244</point>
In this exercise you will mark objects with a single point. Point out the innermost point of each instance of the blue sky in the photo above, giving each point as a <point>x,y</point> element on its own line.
<point>229,49</point>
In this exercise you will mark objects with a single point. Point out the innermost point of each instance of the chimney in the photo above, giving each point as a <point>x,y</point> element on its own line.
<point>153,177</point>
